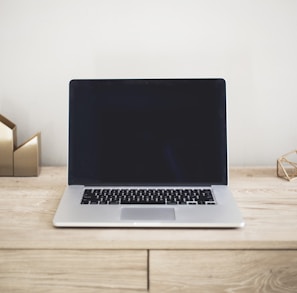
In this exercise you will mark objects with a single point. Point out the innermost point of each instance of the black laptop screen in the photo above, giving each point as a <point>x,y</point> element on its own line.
<point>147,132</point>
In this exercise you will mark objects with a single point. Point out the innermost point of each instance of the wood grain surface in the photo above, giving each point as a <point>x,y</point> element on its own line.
<point>73,271</point>
<point>36,257</point>
<point>268,205</point>
<point>223,271</point>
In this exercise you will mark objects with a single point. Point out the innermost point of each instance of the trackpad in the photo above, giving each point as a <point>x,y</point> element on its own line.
<point>148,214</point>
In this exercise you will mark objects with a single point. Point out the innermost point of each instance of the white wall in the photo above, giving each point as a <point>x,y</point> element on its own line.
<point>252,44</point>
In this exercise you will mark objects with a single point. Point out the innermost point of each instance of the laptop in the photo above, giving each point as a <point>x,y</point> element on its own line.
<point>148,153</point>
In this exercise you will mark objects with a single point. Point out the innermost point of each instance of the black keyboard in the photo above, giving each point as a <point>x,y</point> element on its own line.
<point>148,196</point>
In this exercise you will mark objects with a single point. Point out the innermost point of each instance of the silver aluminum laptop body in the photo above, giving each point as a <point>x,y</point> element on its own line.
<point>147,134</point>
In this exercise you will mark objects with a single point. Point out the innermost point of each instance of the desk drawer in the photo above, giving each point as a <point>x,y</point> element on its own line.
<point>73,271</point>
<point>223,271</point>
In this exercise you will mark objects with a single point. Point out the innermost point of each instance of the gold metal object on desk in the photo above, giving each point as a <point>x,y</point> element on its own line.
<point>286,167</point>
<point>27,157</point>
<point>7,146</point>
<point>18,161</point>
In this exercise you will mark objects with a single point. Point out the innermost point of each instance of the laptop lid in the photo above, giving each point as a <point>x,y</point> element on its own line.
<point>147,132</point>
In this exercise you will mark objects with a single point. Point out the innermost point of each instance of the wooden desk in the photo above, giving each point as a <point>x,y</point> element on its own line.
<point>36,257</point>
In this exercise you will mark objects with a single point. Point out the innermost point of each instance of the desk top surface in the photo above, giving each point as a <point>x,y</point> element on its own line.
<point>268,205</point>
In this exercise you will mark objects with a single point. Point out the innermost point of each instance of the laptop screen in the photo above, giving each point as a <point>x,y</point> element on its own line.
<point>147,132</point>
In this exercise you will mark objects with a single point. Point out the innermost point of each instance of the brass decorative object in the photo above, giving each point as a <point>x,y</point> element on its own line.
<point>287,166</point>
<point>18,161</point>
<point>26,157</point>
<point>7,146</point>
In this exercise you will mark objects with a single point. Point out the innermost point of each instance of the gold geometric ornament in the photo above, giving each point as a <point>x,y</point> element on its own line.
<point>27,157</point>
<point>7,146</point>
<point>287,166</point>
<point>18,161</point>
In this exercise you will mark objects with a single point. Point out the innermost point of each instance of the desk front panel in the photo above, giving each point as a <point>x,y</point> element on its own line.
<point>73,271</point>
<point>213,271</point>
